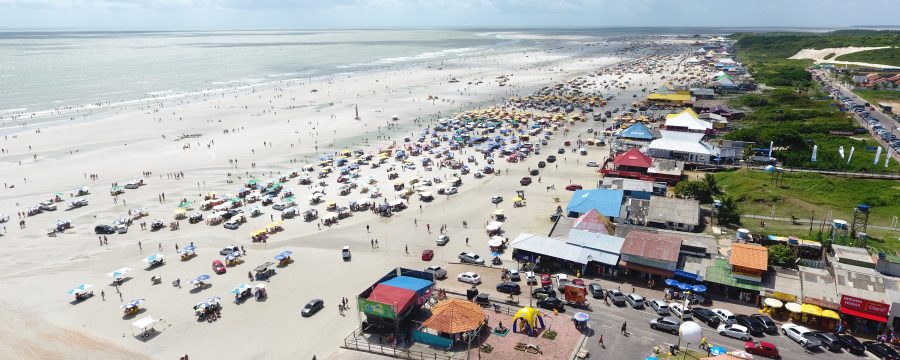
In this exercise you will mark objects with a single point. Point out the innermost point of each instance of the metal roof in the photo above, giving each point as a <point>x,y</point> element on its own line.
<point>683,142</point>
<point>562,250</point>
<point>652,246</point>
<point>607,201</point>
<point>682,211</point>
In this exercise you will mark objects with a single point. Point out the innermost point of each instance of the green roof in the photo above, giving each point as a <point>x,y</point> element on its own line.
<point>720,273</point>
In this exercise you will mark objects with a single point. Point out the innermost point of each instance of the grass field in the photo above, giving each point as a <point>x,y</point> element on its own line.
<point>889,56</point>
<point>802,195</point>
<point>873,96</point>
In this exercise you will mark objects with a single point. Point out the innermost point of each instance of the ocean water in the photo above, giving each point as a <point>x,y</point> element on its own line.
<point>91,70</point>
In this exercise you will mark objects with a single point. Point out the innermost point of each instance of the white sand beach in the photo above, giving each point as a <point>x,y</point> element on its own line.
<point>217,143</point>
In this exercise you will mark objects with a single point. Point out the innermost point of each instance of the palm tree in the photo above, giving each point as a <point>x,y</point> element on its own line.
<point>728,212</point>
<point>712,185</point>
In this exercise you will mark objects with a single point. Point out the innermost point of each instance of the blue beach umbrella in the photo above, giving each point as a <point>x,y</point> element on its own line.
<point>684,286</point>
<point>280,257</point>
<point>495,254</point>
<point>672,282</point>
<point>204,277</point>
<point>717,350</point>
<point>580,316</point>
<point>699,288</point>
<point>287,253</point>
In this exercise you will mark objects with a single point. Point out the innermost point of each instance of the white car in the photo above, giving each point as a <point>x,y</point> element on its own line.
<point>443,240</point>
<point>451,190</point>
<point>232,224</point>
<point>228,250</point>
<point>592,163</point>
<point>48,206</point>
<point>725,316</point>
<point>469,277</point>
<point>803,336</point>
<point>680,311</point>
<point>345,253</point>
<point>279,206</point>
<point>734,331</point>
<point>531,278</point>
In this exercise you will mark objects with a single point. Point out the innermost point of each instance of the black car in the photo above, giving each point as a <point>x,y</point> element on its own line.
<point>707,316</point>
<point>561,151</point>
<point>753,326</point>
<point>829,341</point>
<point>543,292</point>
<point>534,172</point>
<point>509,288</point>
<point>541,164</point>
<point>881,351</point>
<point>616,297</point>
<point>851,344</point>
<point>551,303</point>
<point>551,159</point>
<point>312,307</point>
<point>104,229</point>
<point>768,325</point>
<point>596,290</point>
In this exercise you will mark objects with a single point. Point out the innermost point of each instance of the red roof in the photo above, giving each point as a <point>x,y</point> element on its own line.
<point>633,157</point>
<point>399,297</point>
<point>652,246</point>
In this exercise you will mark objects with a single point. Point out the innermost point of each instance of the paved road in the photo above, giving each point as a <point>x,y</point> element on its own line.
<point>607,320</point>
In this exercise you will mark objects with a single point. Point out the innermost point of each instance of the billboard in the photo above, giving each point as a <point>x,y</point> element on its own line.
<point>376,308</point>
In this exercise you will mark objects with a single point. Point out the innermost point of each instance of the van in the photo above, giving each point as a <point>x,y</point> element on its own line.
<point>636,301</point>
<point>725,316</point>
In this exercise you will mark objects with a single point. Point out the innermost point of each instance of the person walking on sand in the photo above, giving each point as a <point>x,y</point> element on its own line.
<point>600,340</point>
<point>625,328</point>
<point>250,275</point>
<point>141,248</point>
<point>102,295</point>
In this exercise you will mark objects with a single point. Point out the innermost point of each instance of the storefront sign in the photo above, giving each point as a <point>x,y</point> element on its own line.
<point>821,303</point>
<point>688,275</point>
<point>866,306</point>
<point>377,308</point>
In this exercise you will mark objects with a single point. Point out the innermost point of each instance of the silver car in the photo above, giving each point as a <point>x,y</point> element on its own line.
<point>661,307</point>
<point>665,323</point>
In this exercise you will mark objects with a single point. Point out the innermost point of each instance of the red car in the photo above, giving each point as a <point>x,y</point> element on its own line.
<point>525,181</point>
<point>427,254</point>
<point>218,267</point>
<point>573,187</point>
<point>567,143</point>
<point>545,280</point>
<point>578,282</point>
<point>762,348</point>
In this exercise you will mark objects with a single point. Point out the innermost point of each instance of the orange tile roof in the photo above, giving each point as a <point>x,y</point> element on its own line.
<point>750,256</point>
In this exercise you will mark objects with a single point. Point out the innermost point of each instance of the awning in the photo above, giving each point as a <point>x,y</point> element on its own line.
<point>830,314</point>
<point>646,269</point>
<point>811,309</point>
<point>860,314</point>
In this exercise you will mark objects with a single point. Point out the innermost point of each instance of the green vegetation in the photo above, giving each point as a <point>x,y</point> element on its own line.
<point>889,56</point>
<point>766,55</point>
<point>874,96</point>
<point>781,255</point>
<point>829,56</point>
<point>800,196</point>
<point>728,213</point>
<point>703,189</point>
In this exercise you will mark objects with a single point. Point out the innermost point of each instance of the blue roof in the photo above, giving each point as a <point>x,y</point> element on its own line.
<point>637,131</point>
<point>607,201</point>
<point>420,286</point>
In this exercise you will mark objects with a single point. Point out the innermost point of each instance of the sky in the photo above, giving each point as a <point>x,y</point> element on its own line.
<point>281,14</point>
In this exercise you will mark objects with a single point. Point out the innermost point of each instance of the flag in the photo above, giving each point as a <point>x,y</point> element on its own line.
<point>841,151</point>
<point>815,150</point>
<point>877,155</point>
<point>771,144</point>
<point>852,148</point>
<point>887,158</point>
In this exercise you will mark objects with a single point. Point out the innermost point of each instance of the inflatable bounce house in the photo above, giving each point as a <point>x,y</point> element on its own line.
<point>528,320</point>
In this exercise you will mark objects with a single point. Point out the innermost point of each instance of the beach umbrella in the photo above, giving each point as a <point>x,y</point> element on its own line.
<point>119,273</point>
<point>153,258</point>
<point>239,289</point>
<point>793,307</point>
<point>672,282</point>
<point>717,350</point>
<point>287,253</point>
<point>495,254</point>
<point>773,303</point>
<point>580,316</point>
<point>684,286</point>
<point>190,248</point>
<point>204,277</point>
<point>280,257</point>
<point>699,288</point>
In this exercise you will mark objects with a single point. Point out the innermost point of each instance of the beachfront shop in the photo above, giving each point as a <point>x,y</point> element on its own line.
<point>723,283</point>
<point>587,253</point>
<point>864,316</point>
<point>390,303</point>
<point>650,256</point>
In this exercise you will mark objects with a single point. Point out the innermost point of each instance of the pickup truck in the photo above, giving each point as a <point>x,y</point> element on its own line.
<point>470,258</point>
<point>801,335</point>
<point>438,272</point>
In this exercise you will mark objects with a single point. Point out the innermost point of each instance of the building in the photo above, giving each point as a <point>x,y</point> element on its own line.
<point>650,255</point>
<point>749,262</point>
<point>607,201</point>
<point>863,300</point>
<point>855,256</point>
<point>687,120</point>
<point>685,146</point>
<point>634,188</point>
<point>679,98</point>
<point>892,289</point>
<point>819,295</point>
<point>634,164</point>
<point>640,132</point>
<point>672,213</point>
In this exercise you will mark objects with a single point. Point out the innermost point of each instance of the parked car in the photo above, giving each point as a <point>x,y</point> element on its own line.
<point>616,297</point>
<point>725,316</point>
<point>427,255</point>
<point>541,164</point>
<point>496,199</point>
<point>531,278</point>
<point>509,288</point>
<point>543,292</point>
<point>753,326</point>
<point>881,351</point>
<point>665,323</point>
<point>436,271</point>
<point>232,224</point>
<point>345,253</point>
<point>762,348</point>
<point>534,172</point>
<point>707,316</point>
<point>551,303</point>
<point>769,326</point>
<point>469,277</point>
<point>525,181</point>
<point>661,307</point>
<point>851,344</point>
<point>801,335</point>
<point>545,280</point>
<point>595,290</point>
<point>451,190</point>
<point>104,229</point>
<point>592,163</point>
<point>573,187</point>
<point>679,311</point>
<point>470,258</point>
<point>312,307</point>
<point>561,151</point>
<point>551,159</point>
<point>829,340</point>
<point>48,206</point>
<point>218,267</point>
<point>228,250</point>
<point>513,275</point>
<point>734,330</point>
<point>442,240</point>
<point>636,301</point>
